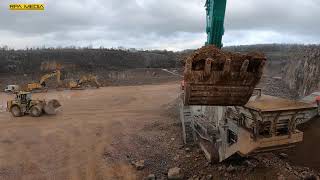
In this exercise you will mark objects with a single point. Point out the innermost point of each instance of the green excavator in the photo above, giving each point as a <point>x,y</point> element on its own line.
<point>214,77</point>
<point>216,10</point>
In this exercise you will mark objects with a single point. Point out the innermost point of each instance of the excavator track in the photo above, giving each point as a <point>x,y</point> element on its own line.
<point>217,78</point>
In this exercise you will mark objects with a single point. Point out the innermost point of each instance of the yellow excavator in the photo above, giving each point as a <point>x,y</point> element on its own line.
<point>41,85</point>
<point>80,83</point>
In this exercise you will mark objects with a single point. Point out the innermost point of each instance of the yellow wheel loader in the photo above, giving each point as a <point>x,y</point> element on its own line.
<point>23,104</point>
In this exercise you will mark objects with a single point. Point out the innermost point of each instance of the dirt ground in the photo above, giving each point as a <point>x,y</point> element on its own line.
<point>307,152</point>
<point>82,141</point>
<point>100,133</point>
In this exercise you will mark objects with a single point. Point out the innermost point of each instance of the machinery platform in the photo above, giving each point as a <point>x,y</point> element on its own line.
<point>265,123</point>
<point>267,103</point>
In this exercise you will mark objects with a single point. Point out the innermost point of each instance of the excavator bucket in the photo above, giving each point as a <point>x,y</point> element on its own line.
<point>52,107</point>
<point>217,78</point>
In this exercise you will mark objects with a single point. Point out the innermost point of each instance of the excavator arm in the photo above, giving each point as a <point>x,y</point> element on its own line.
<point>216,10</point>
<point>47,76</point>
<point>89,78</point>
<point>84,79</point>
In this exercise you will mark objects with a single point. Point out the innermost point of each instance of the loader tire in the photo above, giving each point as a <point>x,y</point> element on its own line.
<point>16,111</point>
<point>35,111</point>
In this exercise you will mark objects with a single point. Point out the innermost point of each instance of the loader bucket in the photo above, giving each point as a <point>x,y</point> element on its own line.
<point>52,107</point>
<point>217,78</point>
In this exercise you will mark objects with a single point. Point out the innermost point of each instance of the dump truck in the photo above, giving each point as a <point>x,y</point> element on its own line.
<point>23,104</point>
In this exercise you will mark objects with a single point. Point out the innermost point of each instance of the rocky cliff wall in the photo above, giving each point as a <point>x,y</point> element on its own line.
<point>302,72</point>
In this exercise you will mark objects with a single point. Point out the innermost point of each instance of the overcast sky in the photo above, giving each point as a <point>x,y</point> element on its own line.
<point>156,24</point>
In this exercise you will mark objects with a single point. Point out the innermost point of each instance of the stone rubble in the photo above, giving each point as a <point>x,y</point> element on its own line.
<point>175,174</point>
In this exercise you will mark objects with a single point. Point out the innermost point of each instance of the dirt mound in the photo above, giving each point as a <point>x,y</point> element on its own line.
<point>220,57</point>
<point>208,52</point>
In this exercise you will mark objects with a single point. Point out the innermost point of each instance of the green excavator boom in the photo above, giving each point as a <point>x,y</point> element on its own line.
<point>213,77</point>
<point>216,10</point>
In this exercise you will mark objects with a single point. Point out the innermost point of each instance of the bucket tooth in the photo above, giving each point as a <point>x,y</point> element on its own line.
<point>261,67</point>
<point>207,68</point>
<point>227,67</point>
<point>244,68</point>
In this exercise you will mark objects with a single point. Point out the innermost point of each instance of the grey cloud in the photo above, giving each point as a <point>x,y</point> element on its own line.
<point>287,16</point>
<point>171,24</point>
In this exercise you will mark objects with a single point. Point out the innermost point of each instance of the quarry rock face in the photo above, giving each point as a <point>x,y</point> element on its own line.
<point>302,73</point>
